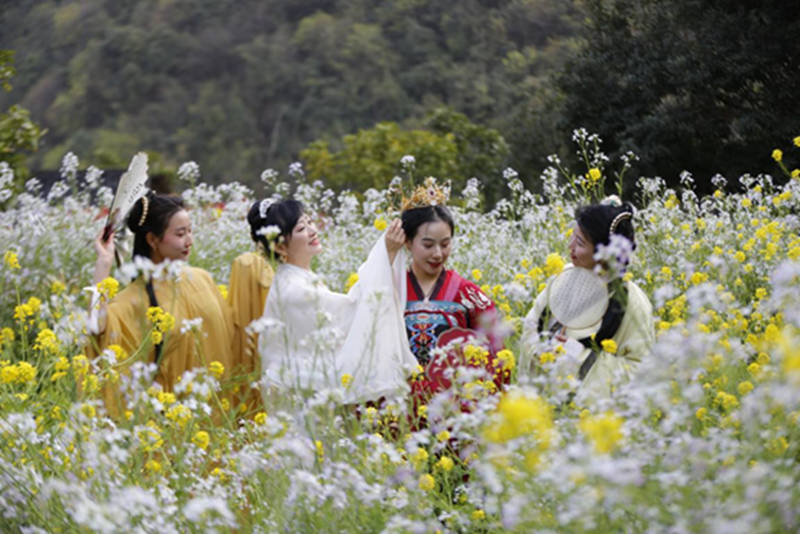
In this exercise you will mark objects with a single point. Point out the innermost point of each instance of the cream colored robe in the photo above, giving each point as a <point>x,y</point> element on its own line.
<point>635,336</point>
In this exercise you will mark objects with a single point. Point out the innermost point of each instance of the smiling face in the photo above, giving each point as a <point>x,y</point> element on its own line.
<point>430,249</point>
<point>302,244</point>
<point>581,249</point>
<point>176,243</point>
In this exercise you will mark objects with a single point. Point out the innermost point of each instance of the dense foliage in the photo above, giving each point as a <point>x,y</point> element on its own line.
<point>687,84</point>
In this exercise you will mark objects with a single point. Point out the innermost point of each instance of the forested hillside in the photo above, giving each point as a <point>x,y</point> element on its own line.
<point>239,86</point>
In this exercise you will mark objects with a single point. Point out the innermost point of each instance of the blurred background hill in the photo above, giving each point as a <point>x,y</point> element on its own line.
<point>240,86</point>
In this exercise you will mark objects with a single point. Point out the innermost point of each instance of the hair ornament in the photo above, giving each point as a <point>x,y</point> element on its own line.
<point>427,194</point>
<point>611,200</point>
<point>618,219</point>
<point>145,207</point>
<point>263,207</point>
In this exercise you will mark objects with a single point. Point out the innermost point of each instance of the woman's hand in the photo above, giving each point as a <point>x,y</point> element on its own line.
<point>395,238</point>
<point>105,256</point>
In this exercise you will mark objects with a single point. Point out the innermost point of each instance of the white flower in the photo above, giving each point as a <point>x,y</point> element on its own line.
<point>268,175</point>
<point>189,171</point>
<point>296,169</point>
<point>269,232</point>
<point>69,166</point>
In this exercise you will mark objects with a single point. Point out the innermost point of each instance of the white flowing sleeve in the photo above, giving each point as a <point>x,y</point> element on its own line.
<point>301,331</point>
<point>375,352</point>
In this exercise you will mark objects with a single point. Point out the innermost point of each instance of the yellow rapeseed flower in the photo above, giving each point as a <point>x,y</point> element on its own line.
<point>153,466</point>
<point>351,281</point>
<point>180,414</point>
<point>11,260</point>
<point>201,439</point>
<point>57,287</point>
<point>347,379</point>
<point>604,431</point>
<point>223,289</point>
<point>426,482</point>
<point>506,359</point>
<point>46,341</point>
<point>796,141</point>
<point>594,174</point>
<point>553,264</point>
<point>380,224</point>
<point>108,287</point>
<point>216,368</point>
<point>777,154</point>
<point>519,415</point>
<point>260,418</point>
<point>477,275</point>
<point>744,387</point>
<point>726,401</point>
<point>9,374</point>
<point>419,457</point>
<point>445,463</point>
<point>609,346</point>
<point>6,335</point>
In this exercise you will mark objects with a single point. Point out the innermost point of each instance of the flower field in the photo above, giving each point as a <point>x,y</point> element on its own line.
<point>705,438</point>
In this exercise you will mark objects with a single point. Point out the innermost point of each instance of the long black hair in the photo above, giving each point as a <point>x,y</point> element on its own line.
<point>595,222</point>
<point>160,209</point>
<point>282,214</point>
<point>413,218</point>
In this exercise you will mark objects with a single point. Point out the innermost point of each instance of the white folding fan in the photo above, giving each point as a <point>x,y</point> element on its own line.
<point>131,187</point>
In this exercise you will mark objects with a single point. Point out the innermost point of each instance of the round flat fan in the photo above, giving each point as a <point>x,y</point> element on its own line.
<point>578,298</point>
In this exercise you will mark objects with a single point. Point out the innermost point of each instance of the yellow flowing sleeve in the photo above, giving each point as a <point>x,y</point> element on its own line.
<point>125,328</point>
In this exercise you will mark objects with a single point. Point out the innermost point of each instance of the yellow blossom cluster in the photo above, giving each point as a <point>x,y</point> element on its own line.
<point>604,430</point>
<point>18,373</point>
<point>162,322</point>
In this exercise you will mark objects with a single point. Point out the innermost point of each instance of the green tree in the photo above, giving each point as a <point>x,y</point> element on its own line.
<point>481,152</point>
<point>371,158</point>
<point>688,84</point>
<point>18,134</point>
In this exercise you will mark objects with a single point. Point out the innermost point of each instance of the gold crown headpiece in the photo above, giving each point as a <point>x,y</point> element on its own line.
<point>427,194</point>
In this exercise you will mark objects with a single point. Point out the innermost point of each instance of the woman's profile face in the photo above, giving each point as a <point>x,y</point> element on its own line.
<point>581,249</point>
<point>303,242</point>
<point>176,243</point>
<point>430,248</point>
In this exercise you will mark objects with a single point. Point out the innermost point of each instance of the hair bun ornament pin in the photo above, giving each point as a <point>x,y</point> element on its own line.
<point>145,207</point>
<point>618,219</point>
<point>611,200</point>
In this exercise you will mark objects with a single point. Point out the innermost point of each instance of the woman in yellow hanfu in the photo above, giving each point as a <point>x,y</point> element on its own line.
<point>251,277</point>
<point>174,315</point>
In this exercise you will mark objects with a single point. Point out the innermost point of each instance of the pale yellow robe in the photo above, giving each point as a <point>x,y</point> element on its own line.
<point>251,278</point>
<point>193,295</point>
<point>634,338</point>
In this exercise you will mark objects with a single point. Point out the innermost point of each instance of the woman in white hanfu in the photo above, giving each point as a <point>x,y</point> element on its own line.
<point>312,339</point>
